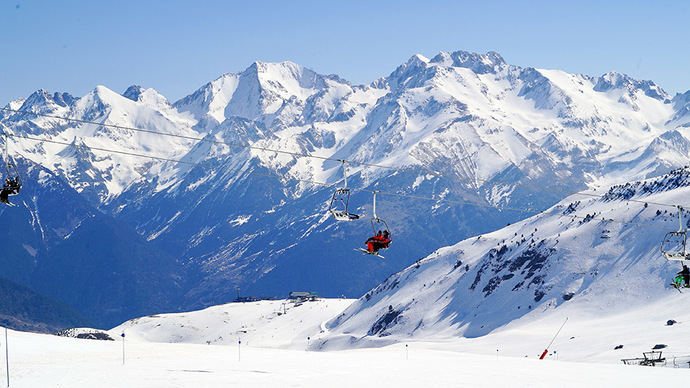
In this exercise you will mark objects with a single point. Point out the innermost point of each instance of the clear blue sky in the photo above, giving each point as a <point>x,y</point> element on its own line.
<point>177,46</point>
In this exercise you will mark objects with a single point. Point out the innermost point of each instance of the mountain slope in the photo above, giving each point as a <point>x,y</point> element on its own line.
<point>592,257</point>
<point>57,244</point>
<point>21,308</point>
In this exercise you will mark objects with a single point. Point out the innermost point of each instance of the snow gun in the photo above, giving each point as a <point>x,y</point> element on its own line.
<point>546,351</point>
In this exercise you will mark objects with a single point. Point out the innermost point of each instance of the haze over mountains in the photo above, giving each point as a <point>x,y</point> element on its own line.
<point>116,236</point>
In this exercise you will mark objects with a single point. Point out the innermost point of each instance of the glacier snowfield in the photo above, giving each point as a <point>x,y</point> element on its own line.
<point>171,350</point>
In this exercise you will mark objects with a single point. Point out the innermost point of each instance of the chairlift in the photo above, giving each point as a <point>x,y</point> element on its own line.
<point>374,246</point>
<point>12,184</point>
<point>376,221</point>
<point>340,202</point>
<point>674,246</point>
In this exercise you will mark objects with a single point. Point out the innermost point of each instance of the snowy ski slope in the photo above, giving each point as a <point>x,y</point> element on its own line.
<point>174,354</point>
<point>278,323</point>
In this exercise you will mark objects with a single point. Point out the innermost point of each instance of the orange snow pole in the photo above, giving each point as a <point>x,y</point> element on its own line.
<point>546,351</point>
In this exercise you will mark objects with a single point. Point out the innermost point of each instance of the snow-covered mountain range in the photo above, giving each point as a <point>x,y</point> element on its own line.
<point>460,126</point>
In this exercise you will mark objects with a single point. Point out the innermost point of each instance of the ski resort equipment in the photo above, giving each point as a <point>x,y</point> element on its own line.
<point>674,245</point>
<point>340,201</point>
<point>367,252</point>
<point>12,183</point>
<point>546,351</point>
<point>682,280</point>
<point>7,359</point>
<point>123,348</point>
<point>678,286</point>
<point>376,221</point>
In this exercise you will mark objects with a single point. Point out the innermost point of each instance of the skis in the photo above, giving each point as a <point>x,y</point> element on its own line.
<point>366,252</point>
<point>677,287</point>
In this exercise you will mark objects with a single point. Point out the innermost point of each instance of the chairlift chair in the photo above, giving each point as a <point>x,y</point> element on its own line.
<point>12,184</point>
<point>674,246</point>
<point>340,202</point>
<point>376,221</point>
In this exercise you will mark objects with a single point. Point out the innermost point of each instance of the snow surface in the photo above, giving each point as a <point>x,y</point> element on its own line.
<point>265,323</point>
<point>168,351</point>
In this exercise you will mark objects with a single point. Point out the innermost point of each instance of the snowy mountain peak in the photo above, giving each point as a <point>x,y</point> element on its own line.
<point>416,60</point>
<point>42,99</point>
<point>491,62</point>
<point>287,78</point>
<point>270,92</point>
<point>413,72</point>
<point>77,150</point>
<point>614,80</point>
<point>103,95</point>
<point>14,105</point>
<point>133,92</point>
<point>681,104</point>
<point>101,100</point>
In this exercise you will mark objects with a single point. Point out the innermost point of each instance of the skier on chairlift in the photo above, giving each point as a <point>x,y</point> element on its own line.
<point>683,278</point>
<point>373,242</point>
<point>386,240</point>
<point>380,240</point>
<point>13,181</point>
<point>11,187</point>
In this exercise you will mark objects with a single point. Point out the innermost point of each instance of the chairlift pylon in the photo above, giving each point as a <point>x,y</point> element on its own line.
<point>674,246</point>
<point>340,201</point>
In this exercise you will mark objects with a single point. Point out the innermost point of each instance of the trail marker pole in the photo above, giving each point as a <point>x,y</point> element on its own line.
<point>407,353</point>
<point>7,359</point>
<point>123,348</point>
<point>308,340</point>
<point>496,354</point>
<point>239,350</point>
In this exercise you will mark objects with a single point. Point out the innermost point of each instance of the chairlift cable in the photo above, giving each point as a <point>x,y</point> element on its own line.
<point>299,154</point>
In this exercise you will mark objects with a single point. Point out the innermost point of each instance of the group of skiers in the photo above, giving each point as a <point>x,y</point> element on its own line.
<point>380,240</point>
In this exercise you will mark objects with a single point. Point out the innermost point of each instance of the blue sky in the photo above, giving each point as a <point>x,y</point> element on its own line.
<point>177,46</point>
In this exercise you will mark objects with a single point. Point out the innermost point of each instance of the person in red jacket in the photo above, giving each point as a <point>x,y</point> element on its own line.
<point>385,240</point>
<point>373,243</point>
